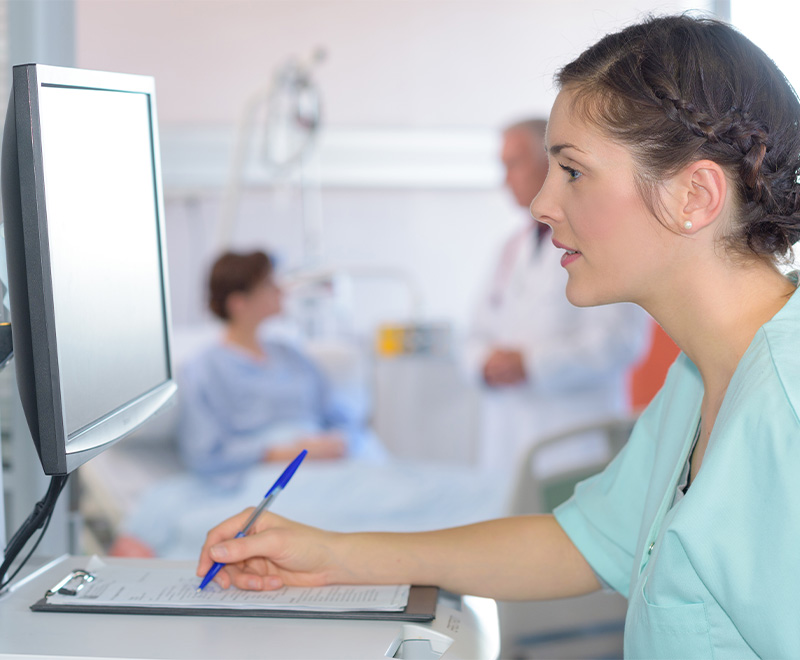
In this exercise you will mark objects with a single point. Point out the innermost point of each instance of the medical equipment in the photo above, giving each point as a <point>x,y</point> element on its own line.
<point>277,131</point>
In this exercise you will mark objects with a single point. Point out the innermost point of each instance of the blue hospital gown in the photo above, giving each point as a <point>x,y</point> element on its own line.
<point>234,407</point>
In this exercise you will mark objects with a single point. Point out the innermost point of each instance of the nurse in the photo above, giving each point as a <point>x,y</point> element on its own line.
<point>543,365</point>
<point>674,150</point>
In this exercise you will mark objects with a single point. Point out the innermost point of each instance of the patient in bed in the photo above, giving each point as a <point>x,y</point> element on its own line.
<point>245,400</point>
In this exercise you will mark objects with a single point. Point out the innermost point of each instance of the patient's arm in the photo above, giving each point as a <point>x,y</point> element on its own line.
<point>321,446</point>
<point>526,557</point>
<point>206,445</point>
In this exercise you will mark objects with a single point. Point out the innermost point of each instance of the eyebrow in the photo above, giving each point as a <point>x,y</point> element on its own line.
<point>558,148</point>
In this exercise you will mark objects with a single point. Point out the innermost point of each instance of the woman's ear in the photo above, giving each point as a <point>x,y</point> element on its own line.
<point>698,192</point>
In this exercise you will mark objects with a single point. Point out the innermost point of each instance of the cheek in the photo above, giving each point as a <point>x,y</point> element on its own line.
<point>609,218</point>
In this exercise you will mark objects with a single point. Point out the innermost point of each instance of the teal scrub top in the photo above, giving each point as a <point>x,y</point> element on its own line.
<point>717,573</point>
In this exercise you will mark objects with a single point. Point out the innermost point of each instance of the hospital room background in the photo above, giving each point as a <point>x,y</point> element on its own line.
<point>357,141</point>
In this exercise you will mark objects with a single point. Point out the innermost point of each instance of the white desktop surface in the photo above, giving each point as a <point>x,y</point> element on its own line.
<point>471,623</point>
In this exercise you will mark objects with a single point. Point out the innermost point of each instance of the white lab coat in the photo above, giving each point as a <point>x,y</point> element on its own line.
<point>577,359</point>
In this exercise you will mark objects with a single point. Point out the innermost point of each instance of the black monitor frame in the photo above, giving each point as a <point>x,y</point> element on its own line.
<point>36,350</point>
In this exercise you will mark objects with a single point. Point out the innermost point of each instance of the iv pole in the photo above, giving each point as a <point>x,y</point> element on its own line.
<point>293,107</point>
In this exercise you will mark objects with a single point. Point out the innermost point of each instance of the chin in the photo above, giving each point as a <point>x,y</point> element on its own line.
<point>587,296</point>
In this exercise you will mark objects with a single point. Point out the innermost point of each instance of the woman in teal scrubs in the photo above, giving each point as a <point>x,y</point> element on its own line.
<point>674,150</point>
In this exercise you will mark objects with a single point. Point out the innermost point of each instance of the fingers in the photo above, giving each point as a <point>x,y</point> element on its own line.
<point>225,530</point>
<point>254,582</point>
<point>242,556</point>
<point>246,566</point>
<point>223,579</point>
<point>233,551</point>
<point>279,552</point>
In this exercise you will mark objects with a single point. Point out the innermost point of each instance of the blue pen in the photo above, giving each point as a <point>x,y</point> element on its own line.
<point>272,493</point>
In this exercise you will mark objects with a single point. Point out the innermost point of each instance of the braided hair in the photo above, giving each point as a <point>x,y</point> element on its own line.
<point>678,89</point>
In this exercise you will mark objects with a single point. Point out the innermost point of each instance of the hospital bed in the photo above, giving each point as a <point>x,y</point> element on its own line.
<point>140,483</point>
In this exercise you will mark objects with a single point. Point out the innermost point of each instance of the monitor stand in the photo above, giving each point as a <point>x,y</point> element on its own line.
<point>23,483</point>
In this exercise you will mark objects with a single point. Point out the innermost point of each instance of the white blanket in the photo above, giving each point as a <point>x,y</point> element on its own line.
<point>174,515</point>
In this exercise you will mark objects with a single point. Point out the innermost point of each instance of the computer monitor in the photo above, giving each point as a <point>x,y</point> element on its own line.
<point>86,251</point>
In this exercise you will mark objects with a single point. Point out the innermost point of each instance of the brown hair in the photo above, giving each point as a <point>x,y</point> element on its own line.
<point>678,89</point>
<point>234,272</point>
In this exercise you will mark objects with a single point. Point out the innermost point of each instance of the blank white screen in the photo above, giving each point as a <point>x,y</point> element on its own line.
<point>104,249</point>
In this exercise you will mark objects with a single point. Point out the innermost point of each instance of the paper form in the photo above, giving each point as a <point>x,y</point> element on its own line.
<point>177,587</point>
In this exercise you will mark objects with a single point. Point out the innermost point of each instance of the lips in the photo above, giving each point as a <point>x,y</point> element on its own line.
<point>569,256</point>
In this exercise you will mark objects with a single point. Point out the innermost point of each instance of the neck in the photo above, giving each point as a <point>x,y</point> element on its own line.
<point>714,315</point>
<point>245,336</point>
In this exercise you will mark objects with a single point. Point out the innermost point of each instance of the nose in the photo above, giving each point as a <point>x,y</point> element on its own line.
<point>542,207</point>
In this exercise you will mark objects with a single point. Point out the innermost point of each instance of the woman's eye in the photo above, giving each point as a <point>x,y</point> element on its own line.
<point>573,173</point>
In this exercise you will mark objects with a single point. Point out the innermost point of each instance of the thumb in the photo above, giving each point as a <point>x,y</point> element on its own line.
<point>237,550</point>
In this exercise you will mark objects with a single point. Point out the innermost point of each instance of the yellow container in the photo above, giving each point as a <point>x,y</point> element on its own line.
<point>393,339</point>
<point>390,340</point>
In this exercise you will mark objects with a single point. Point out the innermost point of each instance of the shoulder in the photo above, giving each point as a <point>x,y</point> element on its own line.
<point>757,432</point>
<point>201,372</point>
<point>202,359</point>
<point>767,383</point>
<point>781,354</point>
<point>213,363</point>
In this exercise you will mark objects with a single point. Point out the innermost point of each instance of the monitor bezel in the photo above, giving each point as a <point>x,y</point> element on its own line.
<point>30,282</point>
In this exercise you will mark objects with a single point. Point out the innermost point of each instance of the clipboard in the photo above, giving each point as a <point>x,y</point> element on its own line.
<point>421,606</point>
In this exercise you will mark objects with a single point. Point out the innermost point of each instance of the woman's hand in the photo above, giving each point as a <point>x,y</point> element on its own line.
<point>279,552</point>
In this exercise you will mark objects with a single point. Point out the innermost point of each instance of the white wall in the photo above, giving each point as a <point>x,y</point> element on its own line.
<point>414,92</point>
<point>776,37</point>
<point>392,62</point>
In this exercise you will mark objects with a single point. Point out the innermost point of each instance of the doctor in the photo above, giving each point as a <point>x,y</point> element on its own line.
<point>544,365</point>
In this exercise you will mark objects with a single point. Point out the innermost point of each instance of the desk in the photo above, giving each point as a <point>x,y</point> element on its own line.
<point>465,628</point>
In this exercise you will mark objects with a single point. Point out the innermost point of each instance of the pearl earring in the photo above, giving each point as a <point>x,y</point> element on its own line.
<point>687,225</point>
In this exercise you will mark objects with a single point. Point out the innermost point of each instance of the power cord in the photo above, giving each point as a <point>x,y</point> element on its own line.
<point>39,519</point>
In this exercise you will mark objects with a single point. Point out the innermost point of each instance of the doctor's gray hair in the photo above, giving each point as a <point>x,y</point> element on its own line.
<point>535,127</point>
<point>678,89</point>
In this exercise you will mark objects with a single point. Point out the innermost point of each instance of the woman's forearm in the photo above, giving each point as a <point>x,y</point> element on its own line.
<point>525,557</point>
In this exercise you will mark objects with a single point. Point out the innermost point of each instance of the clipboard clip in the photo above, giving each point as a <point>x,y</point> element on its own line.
<point>71,584</point>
